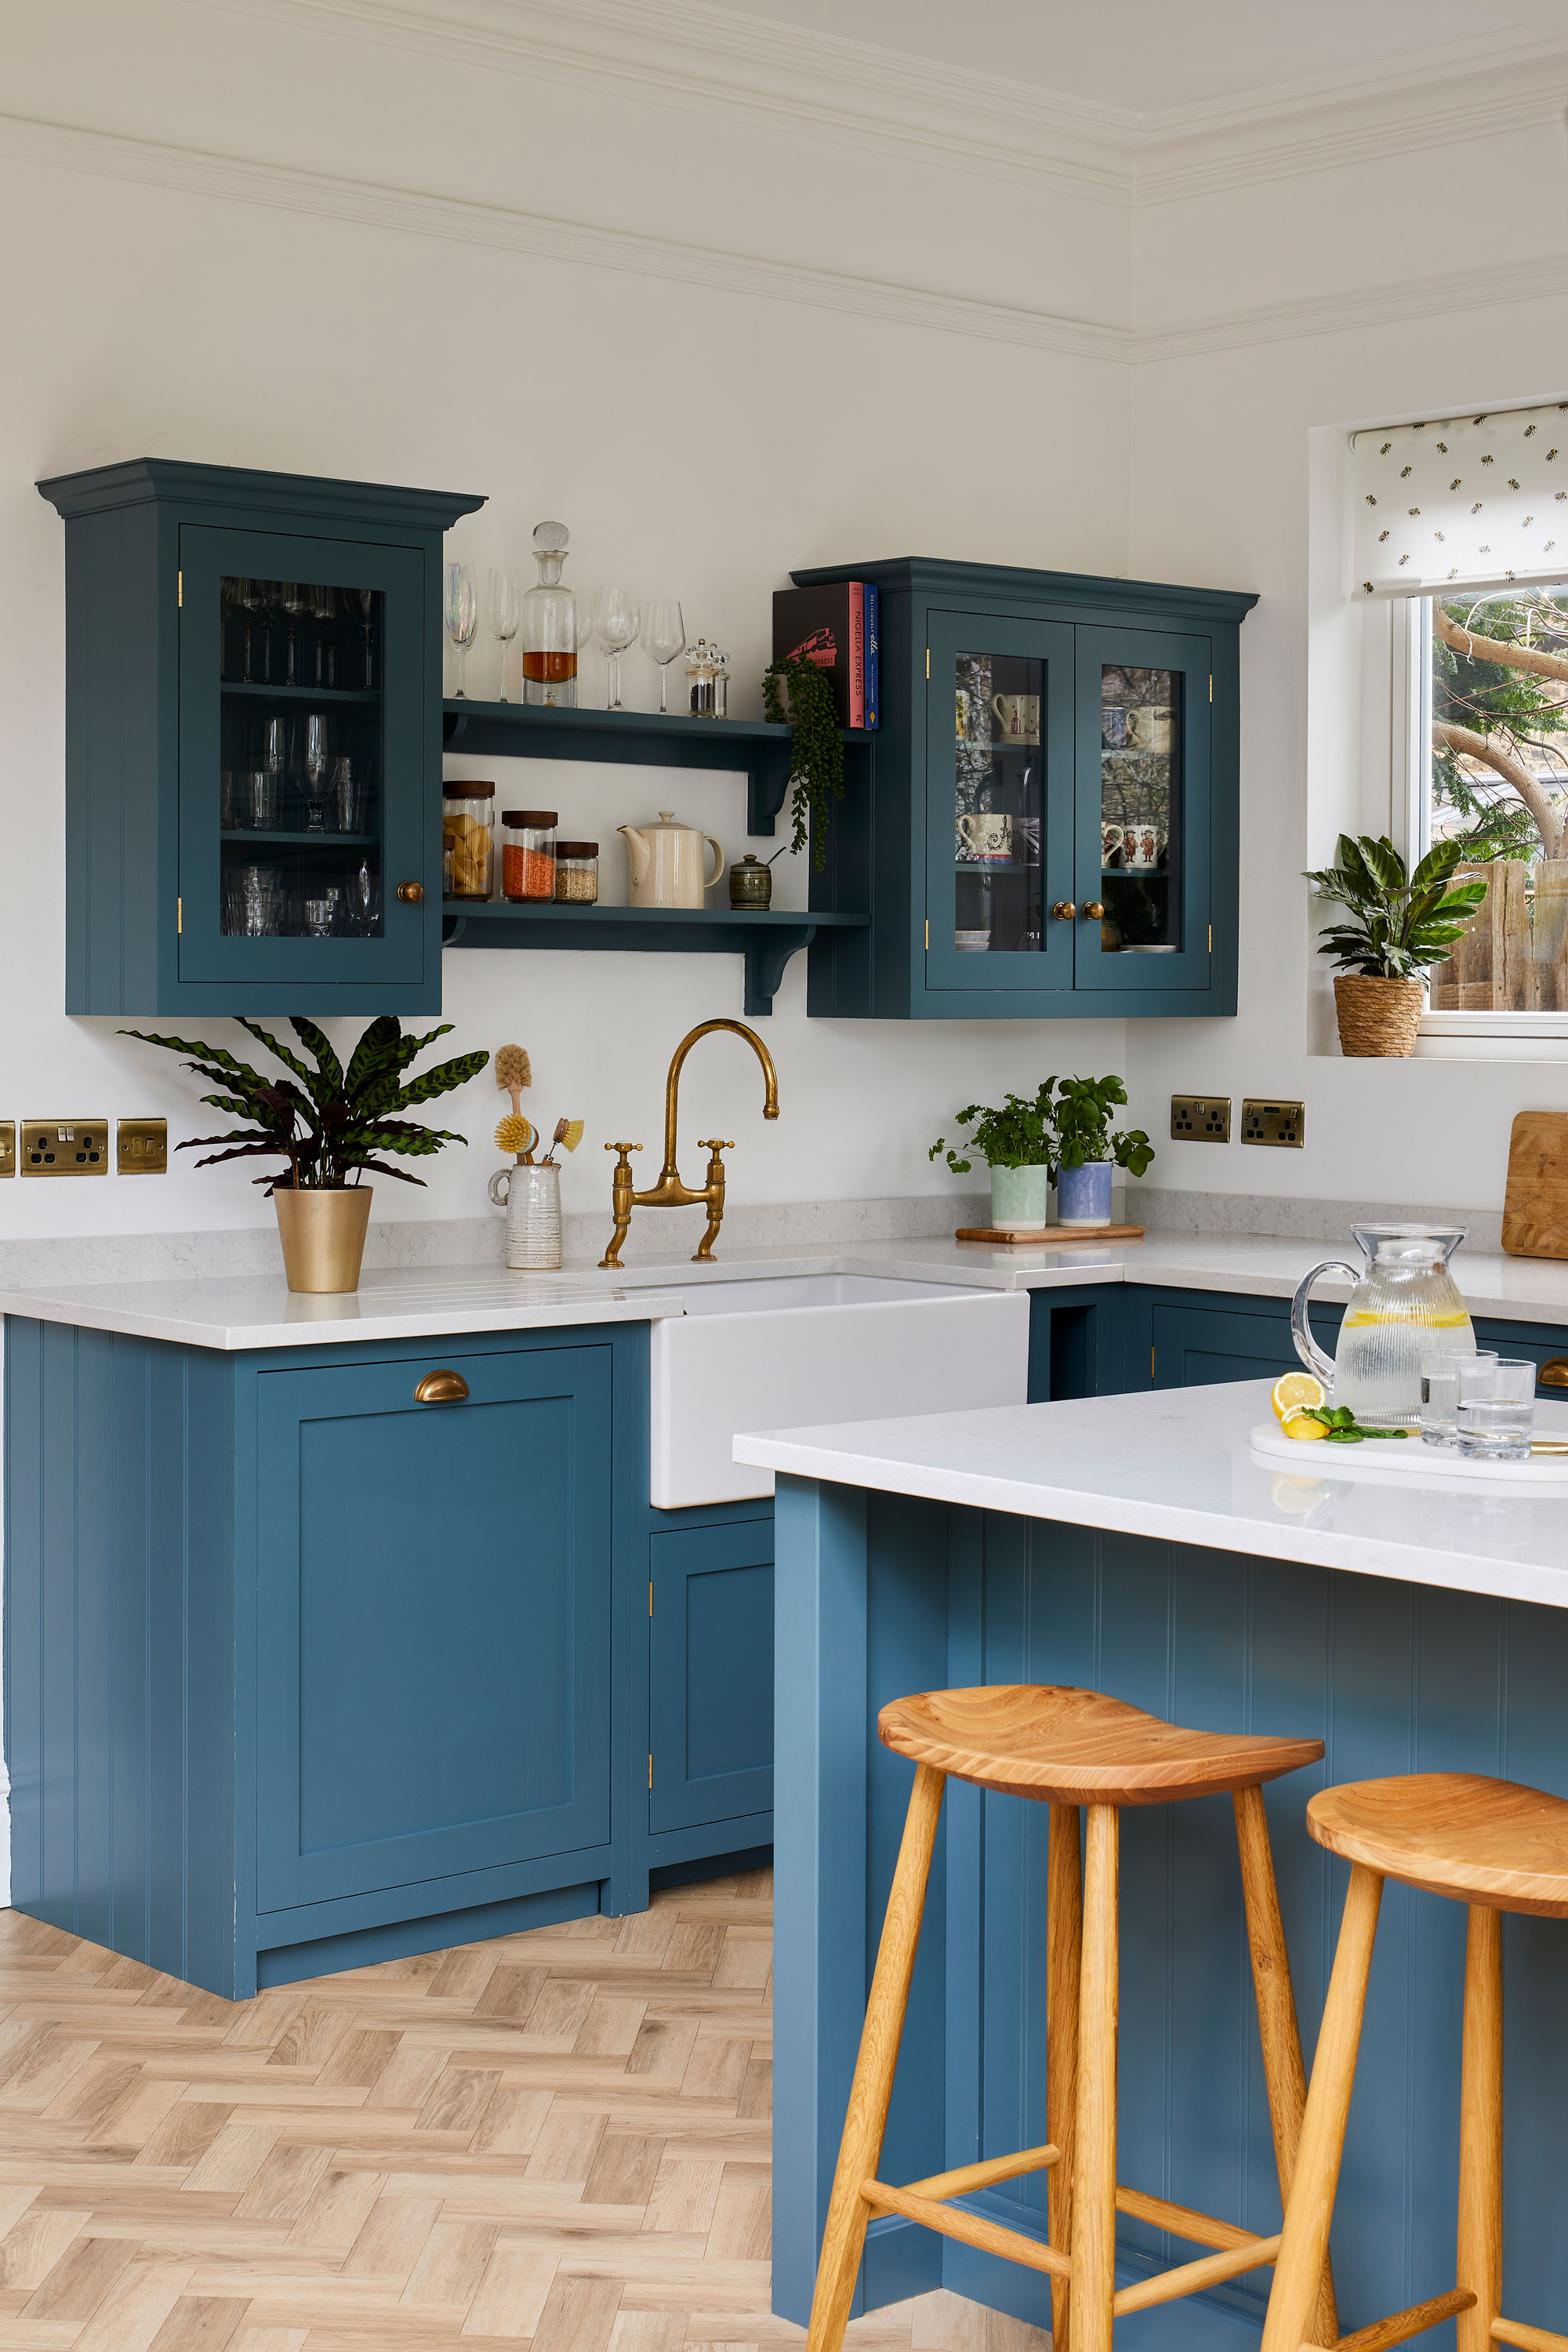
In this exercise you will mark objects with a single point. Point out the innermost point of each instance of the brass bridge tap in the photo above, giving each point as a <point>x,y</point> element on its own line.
<point>670,1193</point>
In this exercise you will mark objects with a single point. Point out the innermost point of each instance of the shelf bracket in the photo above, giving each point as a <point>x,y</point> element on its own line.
<point>766,958</point>
<point>768,773</point>
<point>453,727</point>
<point>452,930</point>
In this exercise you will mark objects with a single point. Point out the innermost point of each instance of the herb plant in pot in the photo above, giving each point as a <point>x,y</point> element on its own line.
<point>1015,1143</point>
<point>1397,925</point>
<point>1087,1153</point>
<point>330,1126</point>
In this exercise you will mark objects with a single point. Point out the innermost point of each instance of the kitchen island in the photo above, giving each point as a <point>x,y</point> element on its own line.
<point>1132,1544</point>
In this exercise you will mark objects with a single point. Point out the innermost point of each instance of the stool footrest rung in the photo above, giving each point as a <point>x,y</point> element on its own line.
<point>970,2229</point>
<point>1191,2278</point>
<point>1181,2220</point>
<point>1529,2339</point>
<point>1399,2325</point>
<point>968,2178</point>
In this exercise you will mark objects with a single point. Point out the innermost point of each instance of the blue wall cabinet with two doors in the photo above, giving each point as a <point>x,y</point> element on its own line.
<point>1051,826</point>
<point>253,741</point>
<point>304,1672</point>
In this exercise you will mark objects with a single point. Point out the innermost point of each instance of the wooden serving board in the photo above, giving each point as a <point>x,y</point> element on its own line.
<point>1055,1236</point>
<point>1535,1206</point>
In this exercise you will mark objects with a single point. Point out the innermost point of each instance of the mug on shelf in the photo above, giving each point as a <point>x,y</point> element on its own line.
<point>1112,727</point>
<point>1143,849</point>
<point>1018,715</point>
<point>985,839</point>
<point>1113,839</point>
<point>1149,727</point>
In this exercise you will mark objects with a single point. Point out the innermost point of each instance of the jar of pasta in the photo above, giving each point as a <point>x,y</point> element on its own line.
<point>528,853</point>
<point>467,842</point>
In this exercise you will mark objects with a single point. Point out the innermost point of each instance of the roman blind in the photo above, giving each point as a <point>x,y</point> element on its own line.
<point>1472,502</point>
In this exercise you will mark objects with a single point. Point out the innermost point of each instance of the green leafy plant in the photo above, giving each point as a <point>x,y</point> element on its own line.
<point>327,1124</point>
<point>816,750</point>
<point>1399,922</point>
<point>1081,1116</point>
<point>1018,1135</point>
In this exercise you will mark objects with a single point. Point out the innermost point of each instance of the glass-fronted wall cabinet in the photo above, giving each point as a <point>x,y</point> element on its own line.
<point>1053,823</point>
<point>253,741</point>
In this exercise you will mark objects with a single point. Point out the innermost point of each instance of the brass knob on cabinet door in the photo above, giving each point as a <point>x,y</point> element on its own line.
<point>1094,911</point>
<point>1064,910</point>
<point>441,1388</point>
<point>1554,1372</point>
<point>411,893</point>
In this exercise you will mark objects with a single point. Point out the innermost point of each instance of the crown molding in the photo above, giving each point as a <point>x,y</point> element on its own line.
<point>192,172</point>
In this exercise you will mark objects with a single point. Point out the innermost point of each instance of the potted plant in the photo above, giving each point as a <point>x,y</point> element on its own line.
<point>1087,1151</point>
<point>1015,1143</point>
<point>328,1125</point>
<point>1398,925</point>
<point>816,748</point>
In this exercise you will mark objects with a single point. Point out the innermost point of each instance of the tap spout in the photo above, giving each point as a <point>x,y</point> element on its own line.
<point>668,1176</point>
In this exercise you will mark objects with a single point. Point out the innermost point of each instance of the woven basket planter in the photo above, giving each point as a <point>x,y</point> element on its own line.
<point>1378,1017</point>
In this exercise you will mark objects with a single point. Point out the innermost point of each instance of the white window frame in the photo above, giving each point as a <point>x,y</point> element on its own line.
<point>1448,1037</point>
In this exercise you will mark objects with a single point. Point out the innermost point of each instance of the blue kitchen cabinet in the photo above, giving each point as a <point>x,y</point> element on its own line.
<point>711,1678</point>
<point>223,624</point>
<point>1050,825</point>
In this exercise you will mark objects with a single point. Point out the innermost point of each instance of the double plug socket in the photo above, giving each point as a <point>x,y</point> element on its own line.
<point>79,1147</point>
<point>1205,1119</point>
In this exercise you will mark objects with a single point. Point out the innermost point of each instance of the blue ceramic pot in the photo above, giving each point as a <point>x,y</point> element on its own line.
<point>1019,1196</point>
<point>1083,1194</point>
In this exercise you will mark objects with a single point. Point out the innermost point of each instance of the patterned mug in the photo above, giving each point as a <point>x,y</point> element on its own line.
<point>1112,840</point>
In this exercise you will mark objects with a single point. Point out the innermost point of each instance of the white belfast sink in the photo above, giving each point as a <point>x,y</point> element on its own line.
<point>789,1350</point>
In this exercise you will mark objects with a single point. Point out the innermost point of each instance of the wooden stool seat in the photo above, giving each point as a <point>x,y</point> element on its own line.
<point>1073,1747</point>
<point>1490,1841</point>
<point>1496,1846</point>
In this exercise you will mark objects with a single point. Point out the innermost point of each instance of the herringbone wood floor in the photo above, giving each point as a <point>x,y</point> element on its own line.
<point>558,2139</point>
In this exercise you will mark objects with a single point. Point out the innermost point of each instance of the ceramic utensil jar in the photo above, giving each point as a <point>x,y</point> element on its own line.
<point>532,1198</point>
<point>667,861</point>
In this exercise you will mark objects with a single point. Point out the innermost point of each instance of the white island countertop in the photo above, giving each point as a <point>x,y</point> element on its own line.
<point>1176,1464</point>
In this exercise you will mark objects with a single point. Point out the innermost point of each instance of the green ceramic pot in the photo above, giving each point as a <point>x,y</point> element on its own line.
<point>751,883</point>
<point>1018,1195</point>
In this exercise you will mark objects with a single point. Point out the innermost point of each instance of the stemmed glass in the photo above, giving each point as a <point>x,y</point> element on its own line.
<point>363,600</point>
<point>462,615</point>
<point>250,596</point>
<point>365,899</point>
<point>314,755</point>
<point>506,610</point>
<point>326,614</point>
<point>294,597</point>
<point>616,620</point>
<point>663,637</point>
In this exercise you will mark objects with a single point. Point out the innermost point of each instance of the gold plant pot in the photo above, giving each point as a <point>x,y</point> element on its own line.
<point>1378,1017</point>
<point>322,1236</point>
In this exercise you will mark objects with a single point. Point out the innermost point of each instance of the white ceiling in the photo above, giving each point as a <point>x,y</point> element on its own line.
<point>1148,56</point>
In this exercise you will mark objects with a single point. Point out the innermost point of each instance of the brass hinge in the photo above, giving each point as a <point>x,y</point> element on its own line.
<point>1151,1375</point>
<point>1211,938</point>
<point>928,661</point>
<point>1211,686</point>
<point>650,1771</point>
<point>179,917</point>
<point>928,934</point>
<point>180,595</point>
<point>650,1596</point>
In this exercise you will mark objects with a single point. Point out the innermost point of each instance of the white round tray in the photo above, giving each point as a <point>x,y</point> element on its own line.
<point>1377,1457</point>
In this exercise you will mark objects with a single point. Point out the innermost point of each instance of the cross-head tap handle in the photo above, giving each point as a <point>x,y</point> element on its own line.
<point>715,1143</point>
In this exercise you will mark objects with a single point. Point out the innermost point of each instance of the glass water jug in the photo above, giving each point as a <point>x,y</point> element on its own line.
<point>1404,1307</point>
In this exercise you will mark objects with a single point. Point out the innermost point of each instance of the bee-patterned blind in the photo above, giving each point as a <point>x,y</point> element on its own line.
<point>1469,502</point>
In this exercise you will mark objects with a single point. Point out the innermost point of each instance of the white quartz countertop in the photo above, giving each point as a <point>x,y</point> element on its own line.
<point>1176,1463</point>
<point>415,1302</point>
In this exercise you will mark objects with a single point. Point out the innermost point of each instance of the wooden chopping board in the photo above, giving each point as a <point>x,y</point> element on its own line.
<point>1052,1236</point>
<point>1535,1206</point>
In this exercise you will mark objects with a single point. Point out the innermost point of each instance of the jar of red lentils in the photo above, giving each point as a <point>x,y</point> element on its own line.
<point>528,853</point>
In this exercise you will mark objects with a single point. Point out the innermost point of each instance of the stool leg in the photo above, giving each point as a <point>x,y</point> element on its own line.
<point>872,2088</point>
<point>1298,2273</point>
<point>1480,2131</point>
<point>1064,1959</point>
<point>1094,2182</point>
<point>1283,2070</point>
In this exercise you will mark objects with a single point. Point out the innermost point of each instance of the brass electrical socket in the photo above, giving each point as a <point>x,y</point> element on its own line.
<point>1273,1122</point>
<point>7,1146</point>
<point>64,1147</point>
<point>141,1147</point>
<point>1200,1118</point>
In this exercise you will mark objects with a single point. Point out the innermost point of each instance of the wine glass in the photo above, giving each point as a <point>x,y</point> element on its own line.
<point>506,610</point>
<point>365,899</point>
<point>462,615</point>
<point>363,601</point>
<point>315,753</point>
<point>294,597</point>
<point>250,596</point>
<point>616,620</point>
<point>326,612</point>
<point>663,637</point>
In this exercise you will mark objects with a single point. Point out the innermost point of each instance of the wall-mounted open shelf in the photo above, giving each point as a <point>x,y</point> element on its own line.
<point>766,937</point>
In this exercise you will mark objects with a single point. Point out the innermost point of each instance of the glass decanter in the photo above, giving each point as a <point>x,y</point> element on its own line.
<point>549,625</point>
<point>1405,1307</point>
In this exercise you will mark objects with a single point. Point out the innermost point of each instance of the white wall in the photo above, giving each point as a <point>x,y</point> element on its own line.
<point>726,364</point>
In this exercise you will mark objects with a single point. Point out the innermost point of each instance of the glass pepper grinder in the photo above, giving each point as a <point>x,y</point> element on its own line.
<point>699,669</point>
<point>549,625</point>
<point>720,683</point>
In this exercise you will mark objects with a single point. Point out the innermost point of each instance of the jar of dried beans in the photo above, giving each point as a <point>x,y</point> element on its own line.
<point>468,844</point>
<point>528,854</point>
<point>577,873</point>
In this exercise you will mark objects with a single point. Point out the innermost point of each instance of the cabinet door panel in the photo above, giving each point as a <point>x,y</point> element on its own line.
<point>434,1613</point>
<point>1197,1346</point>
<point>712,1674</point>
<point>1144,809</point>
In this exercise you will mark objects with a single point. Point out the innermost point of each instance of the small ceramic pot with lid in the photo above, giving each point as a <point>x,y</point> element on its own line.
<point>751,883</point>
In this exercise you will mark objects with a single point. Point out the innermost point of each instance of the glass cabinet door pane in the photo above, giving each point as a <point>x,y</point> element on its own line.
<point>999,720</point>
<point>1140,736</point>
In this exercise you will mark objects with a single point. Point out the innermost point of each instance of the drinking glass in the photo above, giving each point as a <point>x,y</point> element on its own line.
<point>462,615</point>
<point>228,801</point>
<point>231,605</point>
<point>346,797</point>
<point>1495,1409</point>
<point>314,754</point>
<point>326,612</point>
<point>269,606</point>
<point>258,901</point>
<point>259,807</point>
<point>363,602</point>
<point>616,620</point>
<point>663,637</point>
<point>251,596</point>
<point>506,610</point>
<point>320,915</point>
<point>364,900</point>
<point>1440,1391</point>
<point>293,596</point>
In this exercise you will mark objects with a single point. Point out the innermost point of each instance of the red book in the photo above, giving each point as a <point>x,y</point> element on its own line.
<point>827,625</point>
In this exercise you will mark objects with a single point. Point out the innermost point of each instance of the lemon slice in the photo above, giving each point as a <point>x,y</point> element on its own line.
<point>1304,1425</point>
<point>1295,1392</point>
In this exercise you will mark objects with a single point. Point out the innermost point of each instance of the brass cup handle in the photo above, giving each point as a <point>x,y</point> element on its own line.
<point>1064,910</point>
<point>1554,1372</point>
<point>441,1388</point>
<point>1094,912</point>
<point>411,893</point>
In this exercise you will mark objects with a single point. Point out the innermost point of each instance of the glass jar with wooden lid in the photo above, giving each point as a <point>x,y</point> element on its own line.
<point>467,842</point>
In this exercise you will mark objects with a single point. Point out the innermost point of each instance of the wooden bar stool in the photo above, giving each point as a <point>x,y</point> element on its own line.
<point>1496,1847</point>
<point>1065,1749</point>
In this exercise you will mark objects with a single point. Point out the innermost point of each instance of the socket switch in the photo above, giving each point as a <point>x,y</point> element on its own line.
<point>7,1146</point>
<point>143,1146</point>
<point>1200,1118</point>
<point>1273,1122</point>
<point>64,1147</point>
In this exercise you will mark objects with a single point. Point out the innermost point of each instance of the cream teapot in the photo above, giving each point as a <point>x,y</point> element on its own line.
<point>667,861</point>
